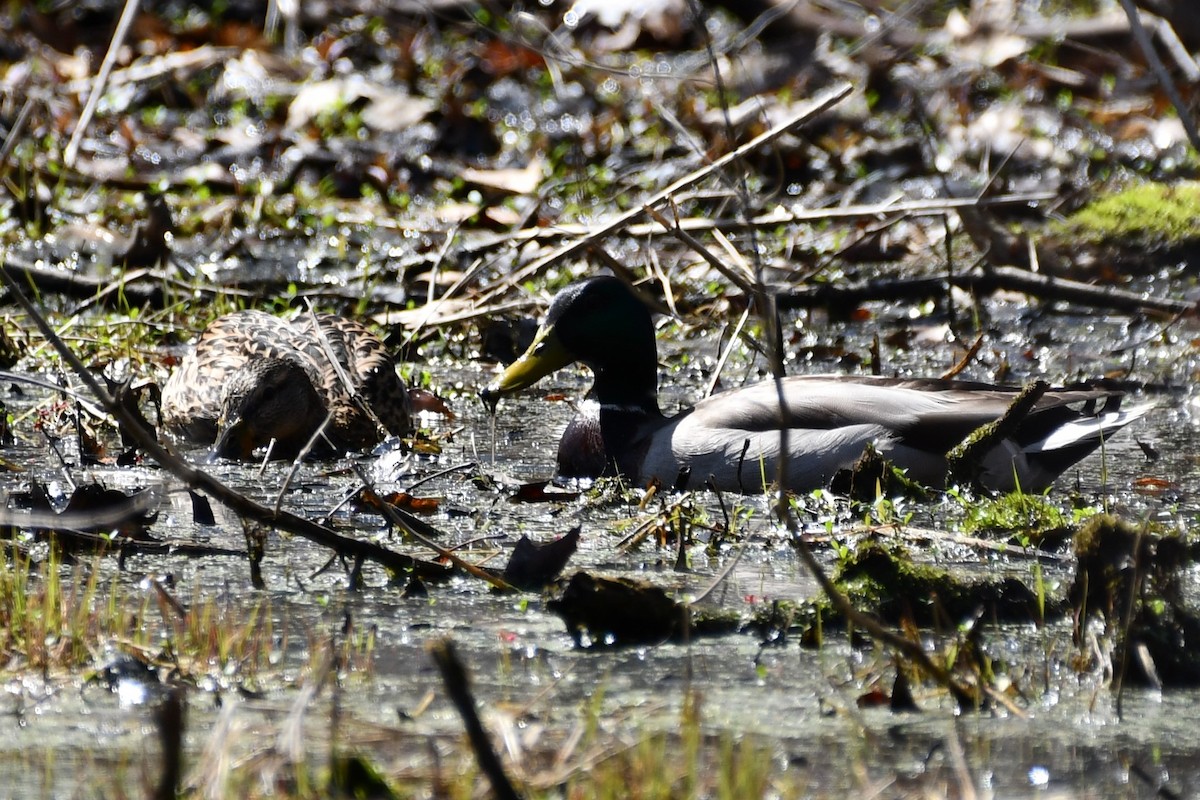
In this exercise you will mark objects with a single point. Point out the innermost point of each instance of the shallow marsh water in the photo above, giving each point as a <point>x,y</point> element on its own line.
<point>73,738</point>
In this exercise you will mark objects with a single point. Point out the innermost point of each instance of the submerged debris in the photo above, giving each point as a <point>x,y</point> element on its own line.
<point>92,517</point>
<point>1131,578</point>
<point>622,611</point>
<point>874,476</point>
<point>533,565</point>
<point>886,582</point>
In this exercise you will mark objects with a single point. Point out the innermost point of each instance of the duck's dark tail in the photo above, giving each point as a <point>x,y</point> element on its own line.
<point>1051,449</point>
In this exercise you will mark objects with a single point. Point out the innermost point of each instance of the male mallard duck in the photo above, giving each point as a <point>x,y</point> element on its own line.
<point>254,378</point>
<point>733,438</point>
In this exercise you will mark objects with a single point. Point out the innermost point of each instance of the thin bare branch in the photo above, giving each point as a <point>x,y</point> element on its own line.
<point>1160,72</point>
<point>817,105</point>
<point>98,87</point>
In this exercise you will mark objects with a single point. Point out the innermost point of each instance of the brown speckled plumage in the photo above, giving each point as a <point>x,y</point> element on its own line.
<point>254,377</point>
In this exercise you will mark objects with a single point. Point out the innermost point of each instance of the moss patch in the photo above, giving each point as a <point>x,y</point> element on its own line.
<point>1149,215</point>
<point>1029,518</point>
<point>885,581</point>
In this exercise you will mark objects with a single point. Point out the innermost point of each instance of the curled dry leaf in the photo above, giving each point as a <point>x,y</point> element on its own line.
<point>522,180</point>
<point>369,500</point>
<point>533,565</point>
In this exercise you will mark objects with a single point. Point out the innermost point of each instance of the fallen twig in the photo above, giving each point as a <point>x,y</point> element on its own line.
<point>187,61</point>
<point>980,281</point>
<point>1182,110</point>
<point>965,361</point>
<point>774,218</point>
<point>926,535</point>
<point>420,530</point>
<point>106,67</point>
<point>737,279</point>
<point>818,104</point>
<point>128,290</point>
<point>170,719</point>
<point>458,688</point>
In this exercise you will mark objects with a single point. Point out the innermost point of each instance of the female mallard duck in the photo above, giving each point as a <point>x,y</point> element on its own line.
<point>254,379</point>
<point>731,440</point>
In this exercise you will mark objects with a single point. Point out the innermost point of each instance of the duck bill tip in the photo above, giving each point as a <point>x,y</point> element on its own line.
<point>234,440</point>
<point>546,355</point>
<point>521,374</point>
